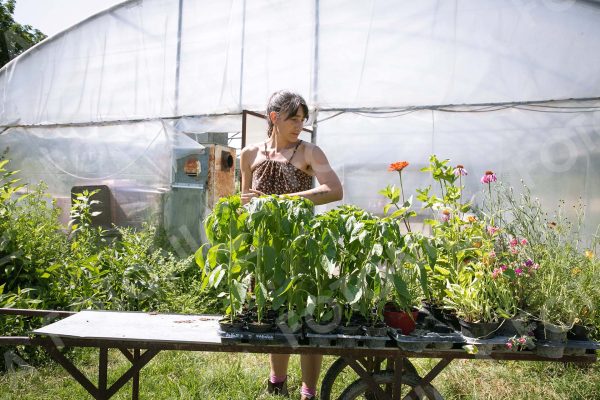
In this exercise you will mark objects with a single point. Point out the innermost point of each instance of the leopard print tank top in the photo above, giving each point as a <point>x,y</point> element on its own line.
<point>280,177</point>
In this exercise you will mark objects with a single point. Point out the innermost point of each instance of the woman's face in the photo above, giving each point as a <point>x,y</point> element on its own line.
<point>290,127</point>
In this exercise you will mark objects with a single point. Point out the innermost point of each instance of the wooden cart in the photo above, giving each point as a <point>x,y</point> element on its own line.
<point>384,369</point>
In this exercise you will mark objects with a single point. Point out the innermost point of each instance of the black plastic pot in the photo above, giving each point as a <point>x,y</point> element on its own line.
<point>515,327</point>
<point>434,311</point>
<point>479,330</point>
<point>451,320</point>
<point>349,330</point>
<point>379,329</point>
<point>320,328</point>
<point>262,327</point>
<point>578,332</point>
<point>227,326</point>
<point>551,332</point>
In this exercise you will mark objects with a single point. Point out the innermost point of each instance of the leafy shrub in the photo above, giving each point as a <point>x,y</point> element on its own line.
<point>44,265</point>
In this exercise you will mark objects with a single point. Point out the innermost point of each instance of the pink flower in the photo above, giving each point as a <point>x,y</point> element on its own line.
<point>488,177</point>
<point>514,242</point>
<point>492,229</point>
<point>509,345</point>
<point>460,171</point>
<point>492,254</point>
<point>519,271</point>
<point>445,217</point>
<point>524,242</point>
<point>535,267</point>
<point>514,250</point>
<point>522,340</point>
<point>496,272</point>
<point>503,267</point>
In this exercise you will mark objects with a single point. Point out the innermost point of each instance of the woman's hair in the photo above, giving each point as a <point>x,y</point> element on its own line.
<point>286,104</point>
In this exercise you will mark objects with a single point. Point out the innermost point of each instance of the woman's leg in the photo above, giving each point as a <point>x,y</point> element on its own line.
<point>278,377</point>
<point>311,368</point>
<point>279,364</point>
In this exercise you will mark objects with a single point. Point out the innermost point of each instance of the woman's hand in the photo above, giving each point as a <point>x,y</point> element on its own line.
<point>246,197</point>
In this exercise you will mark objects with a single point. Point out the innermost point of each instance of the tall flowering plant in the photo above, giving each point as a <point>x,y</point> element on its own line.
<point>406,269</point>
<point>394,194</point>
<point>456,235</point>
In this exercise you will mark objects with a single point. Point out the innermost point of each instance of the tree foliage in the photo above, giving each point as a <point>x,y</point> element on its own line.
<point>14,37</point>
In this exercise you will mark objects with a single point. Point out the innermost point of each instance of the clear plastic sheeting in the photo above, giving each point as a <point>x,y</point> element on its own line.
<point>386,53</point>
<point>119,65</point>
<point>512,86</point>
<point>135,160</point>
<point>556,154</point>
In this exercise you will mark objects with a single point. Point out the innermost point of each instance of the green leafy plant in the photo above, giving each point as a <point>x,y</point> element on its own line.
<point>228,253</point>
<point>560,292</point>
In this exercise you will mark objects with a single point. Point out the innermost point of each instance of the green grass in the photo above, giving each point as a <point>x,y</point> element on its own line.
<point>189,375</point>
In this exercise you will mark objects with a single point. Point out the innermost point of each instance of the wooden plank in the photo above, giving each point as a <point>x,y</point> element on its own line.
<point>14,340</point>
<point>35,313</point>
<point>136,326</point>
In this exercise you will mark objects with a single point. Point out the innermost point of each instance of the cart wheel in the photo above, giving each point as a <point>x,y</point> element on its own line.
<point>360,390</point>
<point>340,364</point>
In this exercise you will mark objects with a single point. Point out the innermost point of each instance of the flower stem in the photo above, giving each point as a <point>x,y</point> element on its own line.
<point>406,223</point>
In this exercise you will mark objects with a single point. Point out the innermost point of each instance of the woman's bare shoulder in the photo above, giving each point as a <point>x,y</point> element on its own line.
<point>251,149</point>
<point>253,146</point>
<point>311,148</point>
<point>249,154</point>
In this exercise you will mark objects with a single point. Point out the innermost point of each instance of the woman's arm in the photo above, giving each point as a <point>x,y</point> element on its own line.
<point>246,172</point>
<point>330,188</point>
<point>246,158</point>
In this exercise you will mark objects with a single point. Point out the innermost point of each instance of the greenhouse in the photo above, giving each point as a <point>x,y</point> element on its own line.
<point>152,101</point>
<point>503,86</point>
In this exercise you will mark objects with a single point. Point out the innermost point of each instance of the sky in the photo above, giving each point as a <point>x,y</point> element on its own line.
<point>53,16</point>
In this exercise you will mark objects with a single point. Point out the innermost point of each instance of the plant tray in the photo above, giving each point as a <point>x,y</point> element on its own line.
<point>336,340</point>
<point>269,338</point>
<point>420,339</point>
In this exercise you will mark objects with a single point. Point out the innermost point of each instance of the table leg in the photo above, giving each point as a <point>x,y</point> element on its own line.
<point>135,386</point>
<point>135,368</point>
<point>102,372</point>
<point>367,377</point>
<point>71,369</point>
<point>398,369</point>
<point>101,392</point>
<point>426,380</point>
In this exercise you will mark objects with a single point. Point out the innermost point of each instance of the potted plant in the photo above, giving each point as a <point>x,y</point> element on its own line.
<point>275,222</point>
<point>402,312</point>
<point>227,255</point>
<point>481,300</point>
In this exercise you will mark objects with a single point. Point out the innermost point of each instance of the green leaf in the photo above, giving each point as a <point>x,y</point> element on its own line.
<point>471,349</point>
<point>269,257</point>
<point>386,208</point>
<point>216,276</point>
<point>402,290</point>
<point>430,251</point>
<point>329,265</point>
<point>199,256</point>
<point>284,288</point>
<point>377,249</point>
<point>352,293</point>
<point>239,291</point>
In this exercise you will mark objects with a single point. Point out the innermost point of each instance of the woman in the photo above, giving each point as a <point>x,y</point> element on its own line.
<point>284,164</point>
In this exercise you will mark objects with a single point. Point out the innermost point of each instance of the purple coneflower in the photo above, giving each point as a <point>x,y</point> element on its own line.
<point>488,177</point>
<point>492,229</point>
<point>445,216</point>
<point>460,171</point>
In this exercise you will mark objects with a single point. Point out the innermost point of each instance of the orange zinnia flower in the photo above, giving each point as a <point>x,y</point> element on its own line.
<point>398,166</point>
